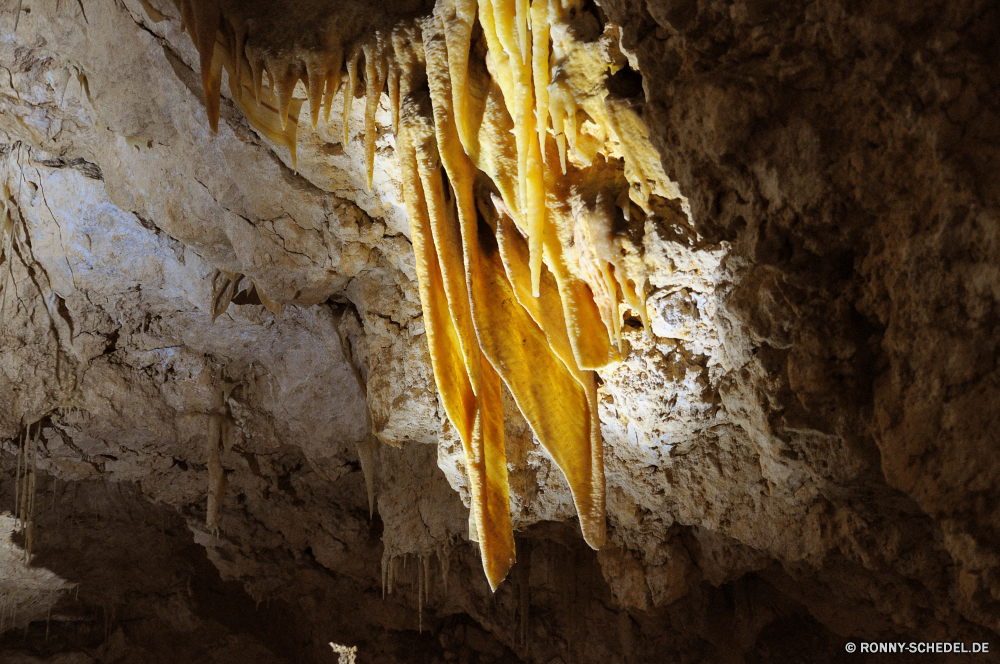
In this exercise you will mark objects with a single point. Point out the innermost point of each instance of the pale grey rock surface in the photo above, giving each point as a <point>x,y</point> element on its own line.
<point>802,441</point>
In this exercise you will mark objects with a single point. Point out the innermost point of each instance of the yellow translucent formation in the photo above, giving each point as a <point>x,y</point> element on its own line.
<point>479,420</point>
<point>521,264</point>
<point>546,312</point>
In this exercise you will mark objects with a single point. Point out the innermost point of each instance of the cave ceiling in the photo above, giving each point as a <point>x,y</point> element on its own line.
<point>490,330</point>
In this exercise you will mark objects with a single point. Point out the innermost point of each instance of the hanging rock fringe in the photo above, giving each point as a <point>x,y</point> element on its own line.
<point>522,264</point>
<point>25,491</point>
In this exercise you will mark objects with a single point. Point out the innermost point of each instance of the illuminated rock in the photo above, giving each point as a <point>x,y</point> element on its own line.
<point>536,300</point>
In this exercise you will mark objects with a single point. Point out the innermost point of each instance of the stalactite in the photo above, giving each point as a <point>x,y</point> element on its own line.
<point>366,457</point>
<point>216,473</point>
<point>226,290</point>
<point>32,494</point>
<point>385,572</point>
<point>224,285</point>
<point>20,508</point>
<point>7,232</point>
<point>521,266</point>
<point>375,78</point>
<point>368,445</point>
<point>444,558</point>
<point>540,69</point>
<point>421,596</point>
<point>17,474</point>
<point>425,560</point>
<point>505,332</point>
<point>349,88</point>
<point>475,418</point>
<point>26,488</point>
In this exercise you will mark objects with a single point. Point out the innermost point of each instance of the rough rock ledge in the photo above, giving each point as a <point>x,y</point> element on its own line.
<point>799,442</point>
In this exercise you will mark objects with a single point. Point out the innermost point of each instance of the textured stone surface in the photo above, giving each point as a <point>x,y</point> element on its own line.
<point>799,450</point>
<point>842,152</point>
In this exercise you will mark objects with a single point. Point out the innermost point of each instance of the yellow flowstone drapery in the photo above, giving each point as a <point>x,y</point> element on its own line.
<point>518,172</point>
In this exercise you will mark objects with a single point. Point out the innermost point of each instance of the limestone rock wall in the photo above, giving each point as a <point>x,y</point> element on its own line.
<point>799,449</point>
<point>842,151</point>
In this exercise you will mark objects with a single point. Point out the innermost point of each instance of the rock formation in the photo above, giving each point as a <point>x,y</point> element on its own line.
<point>311,313</point>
